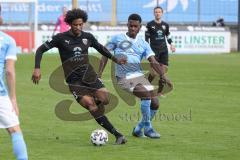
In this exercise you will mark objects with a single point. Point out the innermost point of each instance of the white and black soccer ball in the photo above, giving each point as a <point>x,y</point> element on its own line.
<point>99,137</point>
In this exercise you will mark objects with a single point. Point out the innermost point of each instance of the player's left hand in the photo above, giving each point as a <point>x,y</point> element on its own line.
<point>172,47</point>
<point>36,76</point>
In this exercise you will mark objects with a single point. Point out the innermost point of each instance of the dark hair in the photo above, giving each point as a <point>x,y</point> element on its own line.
<point>75,14</point>
<point>135,17</point>
<point>158,7</point>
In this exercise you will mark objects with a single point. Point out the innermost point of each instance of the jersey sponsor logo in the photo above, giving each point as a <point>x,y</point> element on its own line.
<point>85,41</point>
<point>77,54</point>
<point>160,35</point>
<point>153,27</point>
<point>77,51</point>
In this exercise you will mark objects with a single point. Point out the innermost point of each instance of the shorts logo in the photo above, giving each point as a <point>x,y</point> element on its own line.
<point>85,41</point>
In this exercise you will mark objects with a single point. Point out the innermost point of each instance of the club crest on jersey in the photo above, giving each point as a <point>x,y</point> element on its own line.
<point>124,45</point>
<point>49,39</point>
<point>163,27</point>
<point>85,41</point>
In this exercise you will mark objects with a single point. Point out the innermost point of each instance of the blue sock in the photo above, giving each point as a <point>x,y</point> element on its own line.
<point>139,126</point>
<point>153,113</point>
<point>145,109</point>
<point>19,146</point>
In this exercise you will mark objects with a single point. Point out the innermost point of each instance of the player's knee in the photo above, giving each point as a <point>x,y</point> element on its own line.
<point>103,98</point>
<point>154,103</point>
<point>14,129</point>
<point>105,101</point>
<point>141,92</point>
<point>87,101</point>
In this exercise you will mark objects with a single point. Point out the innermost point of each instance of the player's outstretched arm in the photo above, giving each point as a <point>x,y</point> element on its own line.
<point>159,69</point>
<point>102,65</point>
<point>36,76</point>
<point>105,52</point>
<point>156,66</point>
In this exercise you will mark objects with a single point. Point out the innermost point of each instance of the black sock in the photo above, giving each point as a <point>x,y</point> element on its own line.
<point>104,122</point>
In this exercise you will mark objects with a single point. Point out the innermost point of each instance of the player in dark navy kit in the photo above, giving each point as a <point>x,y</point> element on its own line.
<point>80,76</point>
<point>157,33</point>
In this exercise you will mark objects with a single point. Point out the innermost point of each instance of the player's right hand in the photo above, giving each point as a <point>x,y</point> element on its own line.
<point>122,60</point>
<point>36,76</point>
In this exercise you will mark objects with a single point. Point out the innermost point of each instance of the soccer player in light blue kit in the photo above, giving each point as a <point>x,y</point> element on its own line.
<point>8,103</point>
<point>130,77</point>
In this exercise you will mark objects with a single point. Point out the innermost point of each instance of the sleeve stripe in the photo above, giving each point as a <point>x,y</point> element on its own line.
<point>150,54</point>
<point>45,44</point>
<point>13,57</point>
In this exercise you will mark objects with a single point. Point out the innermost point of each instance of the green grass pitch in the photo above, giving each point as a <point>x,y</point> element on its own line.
<point>199,120</point>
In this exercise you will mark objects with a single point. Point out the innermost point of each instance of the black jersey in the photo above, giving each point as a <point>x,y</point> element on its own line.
<point>156,35</point>
<point>73,51</point>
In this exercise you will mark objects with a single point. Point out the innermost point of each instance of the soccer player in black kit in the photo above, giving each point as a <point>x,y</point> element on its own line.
<point>80,76</point>
<point>156,34</point>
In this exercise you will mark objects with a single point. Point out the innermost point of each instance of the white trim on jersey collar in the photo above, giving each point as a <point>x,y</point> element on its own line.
<point>131,39</point>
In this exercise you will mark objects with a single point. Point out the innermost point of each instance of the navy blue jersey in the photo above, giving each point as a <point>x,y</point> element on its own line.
<point>156,35</point>
<point>73,51</point>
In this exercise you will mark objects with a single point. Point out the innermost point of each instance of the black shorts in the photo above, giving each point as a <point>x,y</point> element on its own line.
<point>80,88</point>
<point>161,57</point>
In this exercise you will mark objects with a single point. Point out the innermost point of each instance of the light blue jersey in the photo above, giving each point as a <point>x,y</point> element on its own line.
<point>133,49</point>
<point>7,51</point>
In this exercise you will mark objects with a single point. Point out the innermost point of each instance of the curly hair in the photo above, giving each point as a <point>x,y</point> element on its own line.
<point>75,14</point>
<point>135,17</point>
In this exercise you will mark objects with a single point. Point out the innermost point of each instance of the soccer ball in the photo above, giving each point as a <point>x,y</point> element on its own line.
<point>99,137</point>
